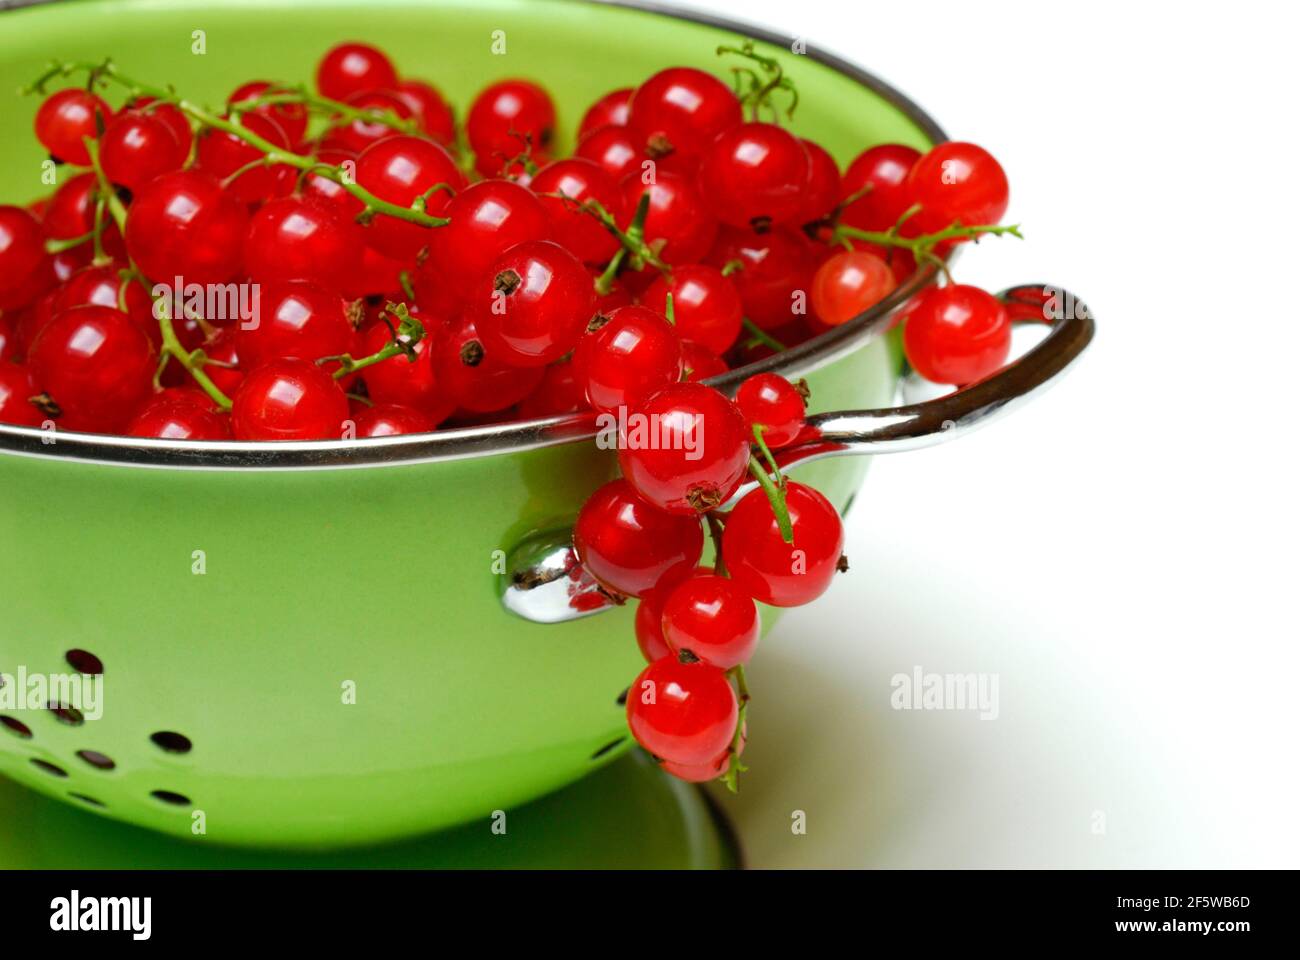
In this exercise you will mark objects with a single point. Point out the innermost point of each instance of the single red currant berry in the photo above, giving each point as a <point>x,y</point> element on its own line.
<point>682,712</point>
<point>303,238</point>
<point>402,382</point>
<point>848,284</point>
<point>96,365</point>
<point>239,164</point>
<point>473,377</point>
<point>137,147</point>
<point>352,67</point>
<point>702,772</point>
<point>401,169</point>
<point>65,118</point>
<point>169,417</point>
<point>356,135</point>
<point>289,117</point>
<point>775,271</point>
<point>627,355</point>
<point>706,306</point>
<point>289,399</point>
<point>711,618</point>
<point>610,110</point>
<point>956,183</point>
<point>774,403</point>
<point>177,122</point>
<point>629,546</point>
<point>822,192</point>
<point>685,448</point>
<point>487,219</point>
<point>769,569</point>
<point>429,109</point>
<point>32,320</point>
<point>957,334</point>
<point>184,225</point>
<point>678,216</point>
<point>22,252</point>
<point>390,420</point>
<point>579,181</point>
<point>877,177</point>
<point>649,626</point>
<point>323,189</point>
<point>611,148</point>
<point>678,112</point>
<point>700,363</point>
<point>505,120</point>
<point>559,392</point>
<point>105,286</point>
<point>295,320</point>
<point>533,303</point>
<point>17,388</point>
<point>755,174</point>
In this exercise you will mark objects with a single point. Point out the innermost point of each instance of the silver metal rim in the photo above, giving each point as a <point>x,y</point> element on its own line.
<point>469,442</point>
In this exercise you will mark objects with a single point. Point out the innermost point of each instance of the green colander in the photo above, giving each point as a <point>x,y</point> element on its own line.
<point>305,646</point>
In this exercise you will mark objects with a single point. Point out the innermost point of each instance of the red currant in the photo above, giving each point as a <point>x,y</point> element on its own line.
<point>957,334</point>
<point>579,180</point>
<point>878,177</point>
<point>533,303</point>
<point>71,213</point>
<point>352,67</point>
<point>755,174</point>
<point>773,402</point>
<point>611,148</point>
<point>487,219</point>
<point>289,117</point>
<point>685,448</point>
<point>700,363</point>
<point>401,382</point>
<point>505,119</point>
<point>822,192</point>
<point>289,399</point>
<point>401,169</point>
<point>610,110</point>
<point>137,147</point>
<point>222,155</point>
<point>776,269</point>
<point>627,355</point>
<point>303,238</point>
<point>649,626</point>
<point>678,216</point>
<point>630,546</point>
<point>22,255</point>
<point>391,420</point>
<point>65,118</point>
<point>170,114</point>
<point>711,618</point>
<point>104,286</point>
<point>956,182</point>
<point>773,571</point>
<point>430,110</point>
<point>16,390</point>
<point>356,135</point>
<point>184,225</point>
<point>96,365</point>
<point>706,306</point>
<point>682,712</point>
<point>172,417</point>
<point>848,284</point>
<point>676,113</point>
<point>474,378</point>
<point>295,320</point>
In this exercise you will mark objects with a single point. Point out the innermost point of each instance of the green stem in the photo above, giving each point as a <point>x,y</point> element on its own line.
<point>760,91</point>
<point>409,332</point>
<point>633,238</point>
<point>299,94</point>
<point>759,442</point>
<point>776,497</point>
<point>715,533</point>
<point>759,335</point>
<point>605,282</point>
<point>922,247</point>
<point>734,767</point>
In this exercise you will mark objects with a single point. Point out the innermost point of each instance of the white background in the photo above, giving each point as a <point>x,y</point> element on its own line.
<point>1121,554</point>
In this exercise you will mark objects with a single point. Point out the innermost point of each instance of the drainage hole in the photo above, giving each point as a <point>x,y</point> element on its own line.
<point>167,796</point>
<point>172,742</point>
<point>83,661</point>
<point>607,747</point>
<point>88,800</point>
<point>49,768</point>
<point>96,759</point>
<point>16,727</point>
<point>66,714</point>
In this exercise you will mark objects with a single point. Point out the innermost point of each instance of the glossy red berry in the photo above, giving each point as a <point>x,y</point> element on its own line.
<point>303,238</point>
<point>629,545</point>
<point>957,334</point>
<point>96,365</point>
<point>177,122</point>
<point>184,225</point>
<point>505,120</point>
<point>956,182</point>
<point>172,417</point>
<point>682,712</point>
<point>769,569</point>
<point>137,147</point>
<point>289,117</point>
<point>295,320</point>
<point>774,403</point>
<point>105,286</point>
<point>227,158</point>
<point>676,113</point>
<point>353,67</point>
<point>65,118</point>
<point>712,619</point>
<point>678,216</point>
<point>533,303</point>
<point>429,109</point>
<point>289,399</point>
<point>877,177</point>
<point>475,378</point>
<point>16,391</point>
<point>22,253</point>
<point>487,219</point>
<point>848,284</point>
<point>700,363</point>
<point>755,174</point>
<point>626,355</point>
<point>610,110</point>
<point>399,381</point>
<point>822,192</point>
<point>706,305</point>
<point>329,191</point>
<point>612,149</point>
<point>685,448</point>
<point>579,181</point>
<point>649,627</point>
<point>390,420</point>
<point>776,269</point>
<point>356,135</point>
<point>401,169</point>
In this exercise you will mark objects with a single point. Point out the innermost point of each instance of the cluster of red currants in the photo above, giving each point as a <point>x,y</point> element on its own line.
<point>405,272</point>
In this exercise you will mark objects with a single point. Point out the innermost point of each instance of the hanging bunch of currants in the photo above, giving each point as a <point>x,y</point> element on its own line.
<point>347,260</point>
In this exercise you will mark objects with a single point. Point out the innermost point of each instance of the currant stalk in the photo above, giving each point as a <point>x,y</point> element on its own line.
<point>404,337</point>
<point>734,766</point>
<point>762,82</point>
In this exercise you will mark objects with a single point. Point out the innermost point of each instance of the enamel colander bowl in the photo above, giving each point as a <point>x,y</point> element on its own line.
<point>304,645</point>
